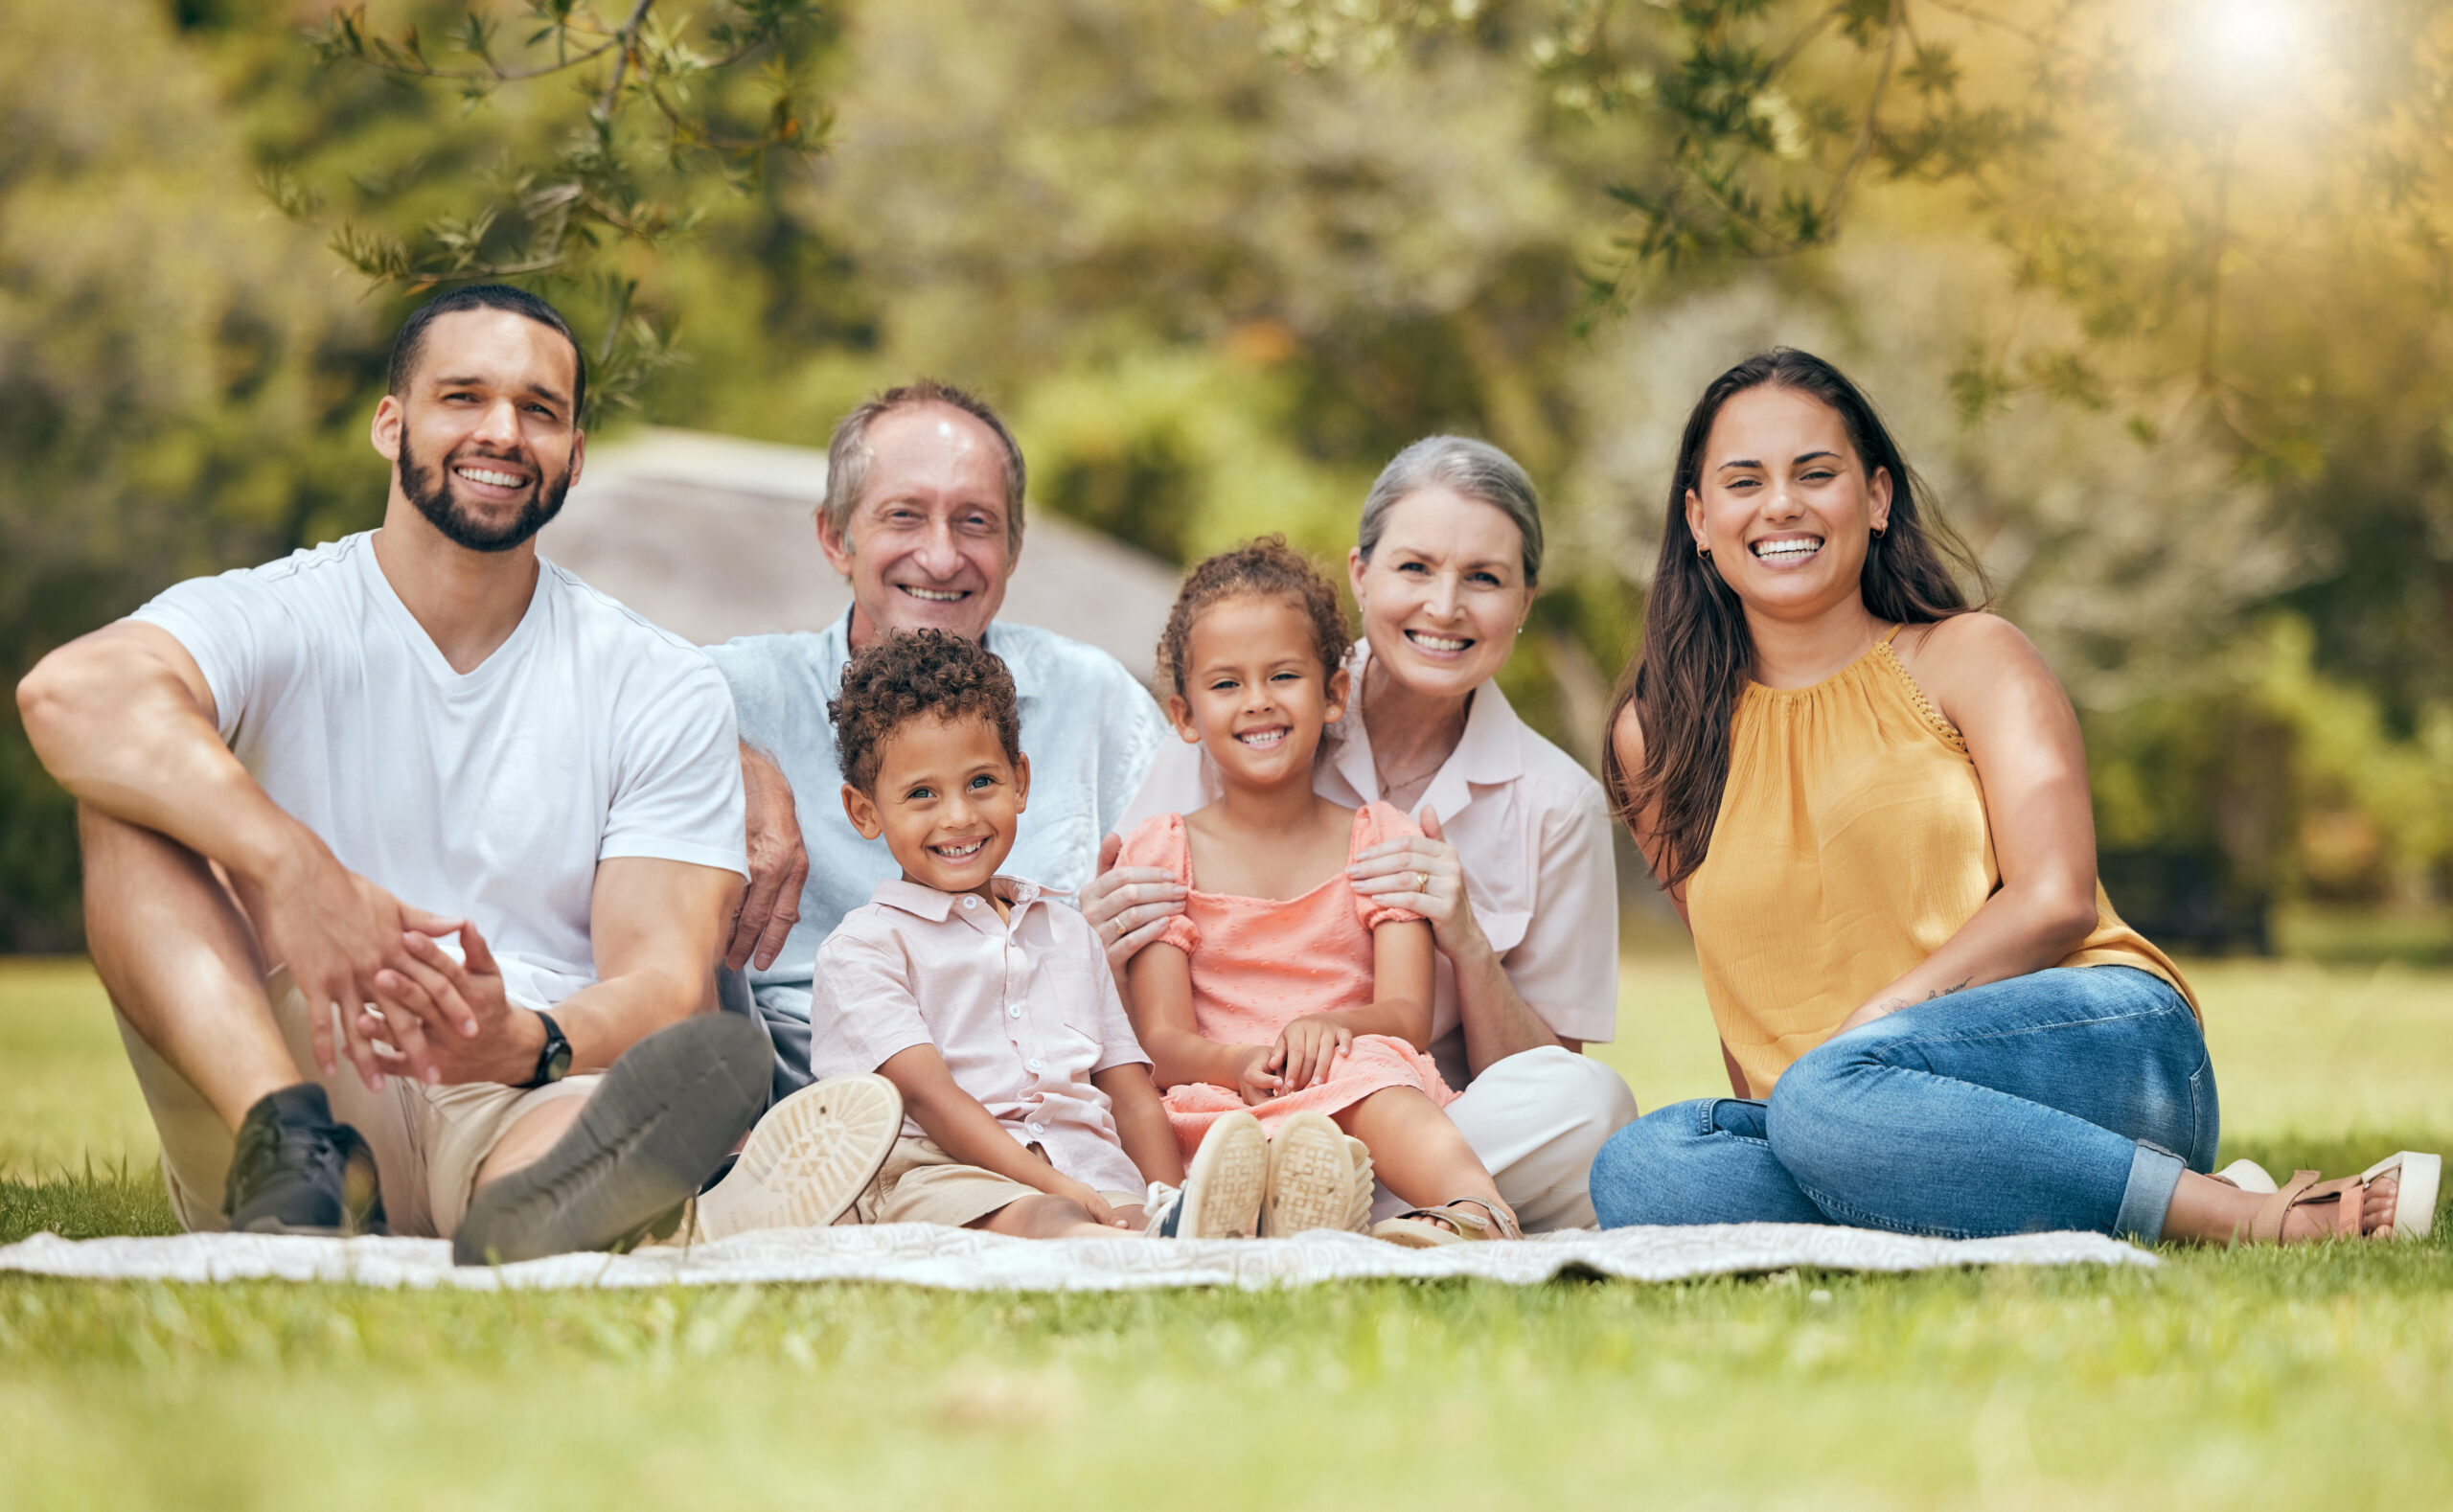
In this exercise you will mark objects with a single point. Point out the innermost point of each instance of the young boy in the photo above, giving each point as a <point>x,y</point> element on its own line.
<point>1030,1109</point>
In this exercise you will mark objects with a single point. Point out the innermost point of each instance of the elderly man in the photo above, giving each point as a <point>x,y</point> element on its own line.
<point>922,514</point>
<point>297,782</point>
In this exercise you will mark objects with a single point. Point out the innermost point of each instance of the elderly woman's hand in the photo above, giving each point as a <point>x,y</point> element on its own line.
<point>1423,874</point>
<point>1128,905</point>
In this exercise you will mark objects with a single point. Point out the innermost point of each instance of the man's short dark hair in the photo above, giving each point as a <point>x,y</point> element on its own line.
<point>919,674</point>
<point>410,344</point>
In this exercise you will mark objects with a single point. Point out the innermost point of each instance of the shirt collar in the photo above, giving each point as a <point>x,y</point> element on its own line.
<point>927,903</point>
<point>835,654</point>
<point>1487,754</point>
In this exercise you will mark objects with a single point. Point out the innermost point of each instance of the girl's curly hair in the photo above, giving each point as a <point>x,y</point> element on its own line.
<point>1263,569</point>
<point>918,675</point>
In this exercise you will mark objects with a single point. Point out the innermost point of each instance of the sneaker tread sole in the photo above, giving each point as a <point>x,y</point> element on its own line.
<point>808,1159</point>
<point>668,1111</point>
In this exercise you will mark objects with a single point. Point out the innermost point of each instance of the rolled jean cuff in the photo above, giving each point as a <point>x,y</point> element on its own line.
<point>2154,1173</point>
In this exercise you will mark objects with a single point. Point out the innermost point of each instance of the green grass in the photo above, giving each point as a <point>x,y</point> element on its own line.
<point>2301,1377</point>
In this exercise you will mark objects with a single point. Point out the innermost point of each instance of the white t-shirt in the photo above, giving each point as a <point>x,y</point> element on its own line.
<point>588,734</point>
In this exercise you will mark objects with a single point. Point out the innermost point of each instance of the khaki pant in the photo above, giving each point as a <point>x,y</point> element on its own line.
<point>921,1184</point>
<point>428,1141</point>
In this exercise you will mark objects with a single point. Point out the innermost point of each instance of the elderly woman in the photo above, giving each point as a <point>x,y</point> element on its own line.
<point>1513,867</point>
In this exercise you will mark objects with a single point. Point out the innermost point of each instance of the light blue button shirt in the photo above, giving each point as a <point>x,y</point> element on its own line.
<point>1088,727</point>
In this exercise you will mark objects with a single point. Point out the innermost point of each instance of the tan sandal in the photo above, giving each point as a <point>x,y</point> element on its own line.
<point>1430,1227</point>
<point>2417,1179</point>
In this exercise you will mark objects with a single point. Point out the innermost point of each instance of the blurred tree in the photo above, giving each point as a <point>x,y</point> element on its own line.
<point>2226,224</point>
<point>1220,293</point>
<point>1216,292</point>
<point>575,190</point>
<point>179,376</point>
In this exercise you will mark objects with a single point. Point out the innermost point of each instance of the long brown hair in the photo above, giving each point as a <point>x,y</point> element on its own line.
<point>1686,679</point>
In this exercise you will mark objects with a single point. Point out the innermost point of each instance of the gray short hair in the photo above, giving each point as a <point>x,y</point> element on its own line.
<point>1475,468</point>
<point>848,455</point>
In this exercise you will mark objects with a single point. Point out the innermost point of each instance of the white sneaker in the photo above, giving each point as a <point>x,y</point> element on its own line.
<point>1311,1177</point>
<point>805,1163</point>
<point>1221,1197</point>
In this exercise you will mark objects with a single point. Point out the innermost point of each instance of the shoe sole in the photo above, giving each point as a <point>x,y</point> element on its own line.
<point>1228,1178</point>
<point>810,1158</point>
<point>1415,1233</point>
<point>1366,1188</point>
<point>670,1108</point>
<point>1311,1178</point>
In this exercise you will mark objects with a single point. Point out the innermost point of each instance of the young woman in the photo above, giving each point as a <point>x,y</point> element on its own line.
<point>1870,804</point>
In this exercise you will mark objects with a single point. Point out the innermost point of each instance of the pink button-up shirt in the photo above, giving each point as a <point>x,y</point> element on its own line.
<point>1531,829</point>
<point>1023,1009</point>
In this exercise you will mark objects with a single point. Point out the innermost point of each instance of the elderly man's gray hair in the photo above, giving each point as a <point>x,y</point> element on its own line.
<point>1474,469</point>
<point>848,455</point>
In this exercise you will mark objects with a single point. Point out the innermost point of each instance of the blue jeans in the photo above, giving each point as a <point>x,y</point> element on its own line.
<point>2072,1098</point>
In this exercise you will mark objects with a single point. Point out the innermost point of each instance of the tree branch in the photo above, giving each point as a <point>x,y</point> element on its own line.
<point>628,37</point>
<point>1873,105</point>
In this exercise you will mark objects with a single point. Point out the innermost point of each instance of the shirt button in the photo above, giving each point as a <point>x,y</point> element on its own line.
<point>1035,1064</point>
<point>970,900</point>
<point>1015,1012</point>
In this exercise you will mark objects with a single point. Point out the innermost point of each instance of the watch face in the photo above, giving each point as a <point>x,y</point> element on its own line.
<point>558,1061</point>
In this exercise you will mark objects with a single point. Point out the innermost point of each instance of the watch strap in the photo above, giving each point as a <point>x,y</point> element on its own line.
<point>551,1066</point>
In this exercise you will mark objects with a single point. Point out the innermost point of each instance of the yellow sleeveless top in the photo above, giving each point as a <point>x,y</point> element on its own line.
<point>1851,842</point>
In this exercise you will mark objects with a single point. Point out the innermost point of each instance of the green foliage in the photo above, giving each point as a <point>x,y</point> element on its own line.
<point>181,381</point>
<point>1217,292</point>
<point>2227,225</point>
<point>581,196</point>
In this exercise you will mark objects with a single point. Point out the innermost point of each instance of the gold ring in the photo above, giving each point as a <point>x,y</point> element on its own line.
<point>1422,882</point>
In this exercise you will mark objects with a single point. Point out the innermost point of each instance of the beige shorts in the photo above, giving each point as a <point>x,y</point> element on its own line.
<point>428,1141</point>
<point>921,1184</point>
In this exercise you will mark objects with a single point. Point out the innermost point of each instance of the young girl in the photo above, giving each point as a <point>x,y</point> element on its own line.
<point>1279,988</point>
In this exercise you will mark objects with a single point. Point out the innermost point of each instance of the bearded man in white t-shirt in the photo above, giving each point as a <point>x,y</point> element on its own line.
<point>390,847</point>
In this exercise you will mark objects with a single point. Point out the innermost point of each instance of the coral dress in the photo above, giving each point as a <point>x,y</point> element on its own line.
<point>1258,964</point>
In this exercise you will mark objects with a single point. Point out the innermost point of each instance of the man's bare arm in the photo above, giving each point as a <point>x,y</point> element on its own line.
<point>659,928</point>
<point>124,721</point>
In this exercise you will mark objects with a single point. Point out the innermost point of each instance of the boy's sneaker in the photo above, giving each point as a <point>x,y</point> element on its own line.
<point>670,1110</point>
<point>1311,1178</point>
<point>810,1158</point>
<point>296,1171</point>
<point>1221,1197</point>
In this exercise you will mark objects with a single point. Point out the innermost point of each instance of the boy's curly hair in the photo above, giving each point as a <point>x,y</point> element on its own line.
<point>912,674</point>
<point>1263,569</point>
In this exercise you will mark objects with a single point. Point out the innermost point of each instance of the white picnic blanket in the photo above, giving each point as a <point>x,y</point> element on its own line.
<point>959,1259</point>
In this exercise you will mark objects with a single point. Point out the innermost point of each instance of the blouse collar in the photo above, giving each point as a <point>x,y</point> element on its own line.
<point>1488,754</point>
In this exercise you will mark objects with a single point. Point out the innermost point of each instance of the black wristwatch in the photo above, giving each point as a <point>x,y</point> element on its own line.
<point>554,1062</point>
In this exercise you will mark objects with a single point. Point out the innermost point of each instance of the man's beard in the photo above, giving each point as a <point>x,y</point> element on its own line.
<point>429,488</point>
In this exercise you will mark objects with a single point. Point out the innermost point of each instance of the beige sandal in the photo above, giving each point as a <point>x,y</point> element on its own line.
<point>1430,1227</point>
<point>2417,1178</point>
